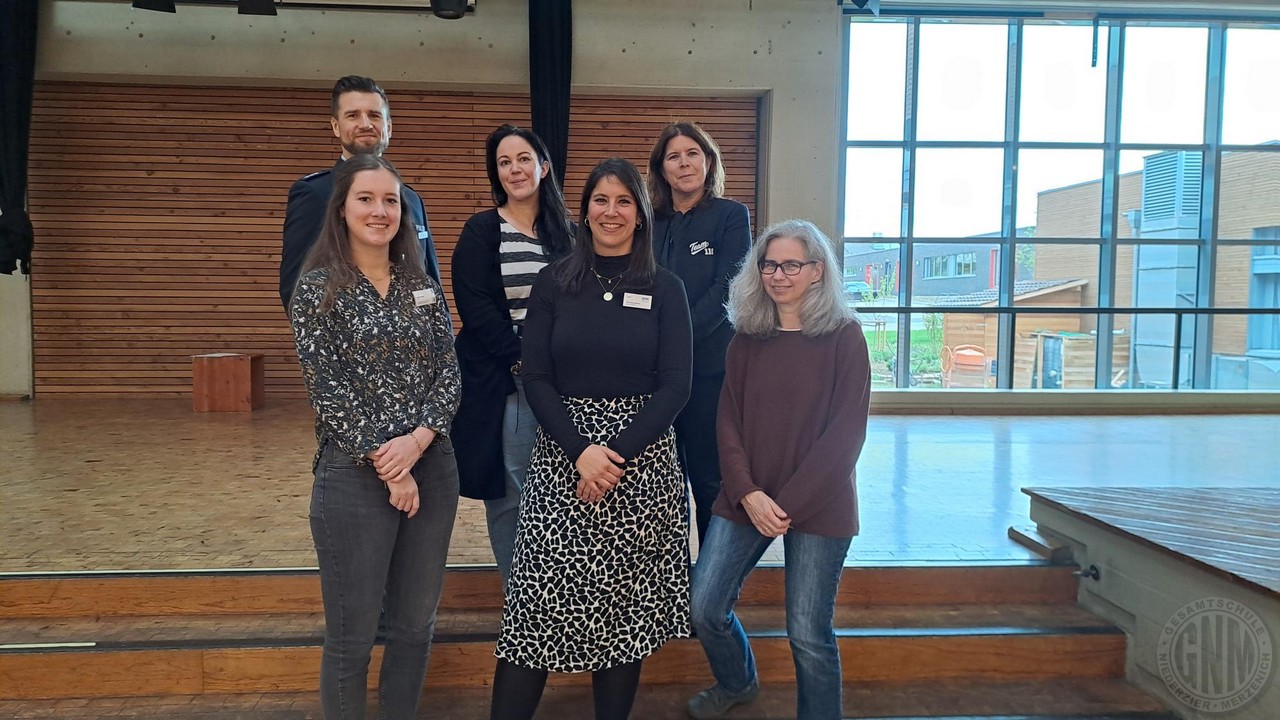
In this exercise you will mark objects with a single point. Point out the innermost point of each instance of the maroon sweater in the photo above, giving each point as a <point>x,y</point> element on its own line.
<point>792,421</point>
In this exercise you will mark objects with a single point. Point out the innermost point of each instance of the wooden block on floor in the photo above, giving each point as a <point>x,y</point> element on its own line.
<point>227,382</point>
<point>1051,549</point>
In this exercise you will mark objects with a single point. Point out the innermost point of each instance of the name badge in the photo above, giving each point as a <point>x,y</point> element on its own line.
<point>636,300</point>
<point>425,296</point>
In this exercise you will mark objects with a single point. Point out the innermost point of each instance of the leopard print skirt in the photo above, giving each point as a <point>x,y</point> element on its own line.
<point>594,585</point>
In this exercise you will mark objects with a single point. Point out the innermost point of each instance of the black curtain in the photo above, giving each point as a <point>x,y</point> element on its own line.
<point>550,72</point>
<point>17,81</point>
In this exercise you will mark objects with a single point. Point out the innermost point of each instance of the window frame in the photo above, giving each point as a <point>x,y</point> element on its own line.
<point>1197,326</point>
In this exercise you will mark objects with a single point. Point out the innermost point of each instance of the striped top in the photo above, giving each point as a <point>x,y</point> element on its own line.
<point>520,257</point>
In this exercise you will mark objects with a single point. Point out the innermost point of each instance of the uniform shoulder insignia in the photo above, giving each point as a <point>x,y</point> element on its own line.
<point>316,174</point>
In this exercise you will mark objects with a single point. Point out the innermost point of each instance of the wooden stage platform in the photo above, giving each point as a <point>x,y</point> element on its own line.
<point>1232,533</point>
<point>1192,575</point>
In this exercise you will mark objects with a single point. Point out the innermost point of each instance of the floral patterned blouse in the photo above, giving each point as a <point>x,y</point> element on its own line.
<point>376,368</point>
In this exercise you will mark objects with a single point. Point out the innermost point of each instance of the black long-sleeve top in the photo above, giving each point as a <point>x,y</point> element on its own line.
<point>375,368</point>
<point>580,345</point>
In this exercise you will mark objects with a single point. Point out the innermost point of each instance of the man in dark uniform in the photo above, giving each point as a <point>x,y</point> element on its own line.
<point>361,120</point>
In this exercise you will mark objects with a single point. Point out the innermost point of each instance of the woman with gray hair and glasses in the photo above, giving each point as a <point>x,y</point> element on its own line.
<point>791,424</point>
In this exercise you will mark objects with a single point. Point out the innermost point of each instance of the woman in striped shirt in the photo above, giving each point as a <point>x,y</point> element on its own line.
<point>498,254</point>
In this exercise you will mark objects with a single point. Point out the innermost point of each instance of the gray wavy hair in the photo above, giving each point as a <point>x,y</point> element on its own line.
<point>824,308</point>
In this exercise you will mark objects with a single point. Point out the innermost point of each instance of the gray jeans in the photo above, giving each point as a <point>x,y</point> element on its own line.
<point>370,555</point>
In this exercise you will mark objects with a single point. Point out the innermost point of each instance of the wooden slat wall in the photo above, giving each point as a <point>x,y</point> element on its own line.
<point>158,210</point>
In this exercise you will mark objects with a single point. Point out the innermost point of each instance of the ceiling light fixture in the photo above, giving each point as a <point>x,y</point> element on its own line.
<point>449,9</point>
<point>256,7</point>
<point>157,5</point>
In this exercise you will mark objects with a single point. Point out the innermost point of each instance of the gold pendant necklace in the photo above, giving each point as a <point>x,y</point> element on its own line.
<point>613,281</point>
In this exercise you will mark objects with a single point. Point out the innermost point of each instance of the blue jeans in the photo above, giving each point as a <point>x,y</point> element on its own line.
<point>813,567</point>
<point>372,555</point>
<point>519,429</point>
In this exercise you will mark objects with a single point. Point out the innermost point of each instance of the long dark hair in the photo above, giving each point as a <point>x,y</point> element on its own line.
<point>552,223</point>
<point>658,185</point>
<point>574,270</point>
<point>332,251</point>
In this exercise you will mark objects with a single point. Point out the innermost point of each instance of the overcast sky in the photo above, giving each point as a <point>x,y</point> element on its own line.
<point>962,82</point>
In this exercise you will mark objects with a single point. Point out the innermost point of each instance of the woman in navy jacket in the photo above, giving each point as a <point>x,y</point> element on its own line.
<point>702,237</point>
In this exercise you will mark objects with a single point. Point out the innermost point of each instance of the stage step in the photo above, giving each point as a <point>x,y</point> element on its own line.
<point>934,641</point>
<point>264,592</point>
<point>1050,700</point>
<point>147,656</point>
<point>137,633</point>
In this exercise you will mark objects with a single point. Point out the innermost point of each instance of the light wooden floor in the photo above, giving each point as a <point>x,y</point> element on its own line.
<point>90,485</point>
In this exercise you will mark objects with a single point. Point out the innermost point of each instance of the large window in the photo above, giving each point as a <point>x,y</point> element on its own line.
<point>1071,205</point>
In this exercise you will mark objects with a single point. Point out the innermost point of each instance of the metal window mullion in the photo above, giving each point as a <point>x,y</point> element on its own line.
<point>905,251</point>
<point>1211,169</point>
<point>1110,201</point>
<point>843,165</point>
<point>1009,210</point>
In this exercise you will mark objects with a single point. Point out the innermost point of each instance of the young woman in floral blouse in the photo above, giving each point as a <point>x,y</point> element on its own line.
<point>376,349</point>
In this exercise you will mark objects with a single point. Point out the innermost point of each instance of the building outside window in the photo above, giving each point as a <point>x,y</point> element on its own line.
<point>1264,292</point>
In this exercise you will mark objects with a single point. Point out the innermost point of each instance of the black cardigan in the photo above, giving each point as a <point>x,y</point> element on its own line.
<point>487,347</point>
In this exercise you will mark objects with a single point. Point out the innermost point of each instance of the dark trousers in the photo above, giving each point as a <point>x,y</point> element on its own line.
<point>371,556</point>
<point>696,445</point>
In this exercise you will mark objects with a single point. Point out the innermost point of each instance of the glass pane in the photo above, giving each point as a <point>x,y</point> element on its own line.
<point>925,350</point>
<point>1247,277</point>
<point>1059,352</point>
<point>959,192</point>
<point>1164,83</point>
<point>1252,371</point>
<point>1057,276</point>
<point>1160,194</point>
<point>871,273</point>
<point>967,358</point>
<point>1151,352</point>
<point>873,192</point>
<point>1064,97</point>
<point>1060,193</point>
<point>1251,95</point>
<point>877,80</point>
<point>962,81</point>
<point>1249,196</point>
<point>1156,276</point>
<point>955,274</point>
<point>881,331</point>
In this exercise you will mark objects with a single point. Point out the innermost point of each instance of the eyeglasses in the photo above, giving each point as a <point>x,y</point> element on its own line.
<point>788,267</point>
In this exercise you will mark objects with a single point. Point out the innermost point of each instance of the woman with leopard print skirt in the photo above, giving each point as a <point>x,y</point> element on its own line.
<point>600,579</point>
